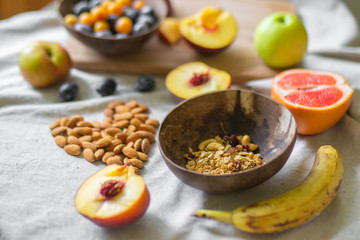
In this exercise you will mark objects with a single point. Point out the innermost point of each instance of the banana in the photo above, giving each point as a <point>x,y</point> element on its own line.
<point>292,208</point>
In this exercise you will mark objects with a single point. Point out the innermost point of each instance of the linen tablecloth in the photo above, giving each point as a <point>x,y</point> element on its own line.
<point>38,180</point>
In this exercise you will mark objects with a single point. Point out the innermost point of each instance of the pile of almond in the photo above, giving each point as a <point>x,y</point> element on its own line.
<point>124,137</point>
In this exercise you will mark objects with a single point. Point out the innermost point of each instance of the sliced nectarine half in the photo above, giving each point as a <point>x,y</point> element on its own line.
<point>113,197</point>
<point>194,78</point>
<point>210,30</point>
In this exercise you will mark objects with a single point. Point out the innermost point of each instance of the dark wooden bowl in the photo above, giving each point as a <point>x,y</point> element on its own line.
<point>111,45</point>
<point>269,124</point>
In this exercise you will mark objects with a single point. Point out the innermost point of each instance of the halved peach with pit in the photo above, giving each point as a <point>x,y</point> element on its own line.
<point>113,197</point>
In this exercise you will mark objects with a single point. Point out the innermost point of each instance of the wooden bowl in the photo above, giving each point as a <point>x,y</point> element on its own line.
<point>114,46</point>
<point>269,124</point>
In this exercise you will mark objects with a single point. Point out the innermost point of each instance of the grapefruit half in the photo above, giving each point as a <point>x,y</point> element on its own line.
<point>317,100</point>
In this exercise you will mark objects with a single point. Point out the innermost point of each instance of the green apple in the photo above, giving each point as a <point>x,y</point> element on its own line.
<point>281,40</point>
<point>44,63</point>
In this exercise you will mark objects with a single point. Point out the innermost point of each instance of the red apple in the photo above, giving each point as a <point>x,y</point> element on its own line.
<point>113,197</point>
<point>194,78</point>
<point>169,30</point>
<point>210,30</point>
<point>44,63</point>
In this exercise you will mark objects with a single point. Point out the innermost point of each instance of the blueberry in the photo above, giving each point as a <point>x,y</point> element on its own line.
<point>111,21</point>
<point>121,35</point>
<point>147,10</point>
<point>103,33</point>
<point>145,83</point>
<point>68,91</point>
<point>106,87</point>
<point>94,3</point>
<point>83,28</point>
<point>148,20</point>
<point>140,27</point>
<point>80,7</point>
<point>131,13</point>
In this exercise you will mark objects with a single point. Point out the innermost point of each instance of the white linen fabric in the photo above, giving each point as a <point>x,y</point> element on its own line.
<point>38,180</point>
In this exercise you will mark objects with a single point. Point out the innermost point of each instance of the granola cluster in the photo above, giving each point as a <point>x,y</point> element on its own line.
<point>223,155</point>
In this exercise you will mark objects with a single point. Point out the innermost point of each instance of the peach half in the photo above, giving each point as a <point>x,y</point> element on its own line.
<point>194,78</point>
<point>113,196</point>
<point>210,30</point>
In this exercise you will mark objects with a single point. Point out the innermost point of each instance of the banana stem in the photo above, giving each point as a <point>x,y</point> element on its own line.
<point>222,216</point>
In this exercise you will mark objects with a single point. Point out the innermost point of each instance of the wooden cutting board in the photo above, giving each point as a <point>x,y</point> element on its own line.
<point>240,59</point>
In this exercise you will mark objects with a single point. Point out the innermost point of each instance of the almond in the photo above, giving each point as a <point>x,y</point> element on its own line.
<point>83,130</point>
<point>105,125</point>
<point>136,162</point>
<point>60,141</point>
<point>141,134</point>
<point>55,124</point>
<point>71,132</point>
<point>112,131</point>
<point>145,145</point>
<point>122,136</point>
<point>84,124</point>
<point>143,106</point>
<point>96,136</point>
<point>113,144</point>
<point>90,145</point>
<point>108,120</point>
<point>73,120</point>
<point>108,112</point>
<point>73,140</point>
<point>147,127</point>
<point>142,156</point>
<point>129,152</point>
<point>58,130</point>
<point>72,149</point>
<point>96,124</point>
<point>135,122</point>
<point>123,116</point>
<point>137,110</point>
<point>121,124</point>
<point>155,123</point>
<point>103,142</point>
<point>141,116</point>
<point>114,104</point>
<point>89,154</point>
<point>122,109</point>
<point>99,154</point>
<point>64,121</point>
<point>136,170</point>
<point>85,138</point>
<point>137,144</point>
<point>107,155</point>
<point>131,104</point>
<point>130,145</point>
<point>118,148</point>
<point>114,160</point>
